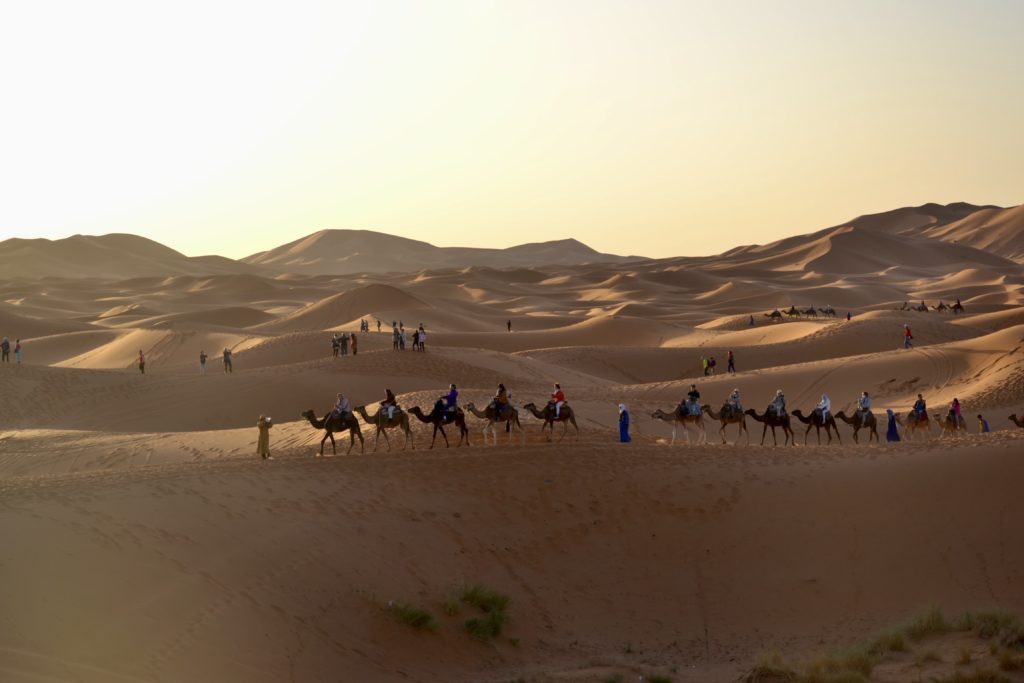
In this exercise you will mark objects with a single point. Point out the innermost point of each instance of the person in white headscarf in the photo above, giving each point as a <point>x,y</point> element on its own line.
<point>623,424</point>
<point>825,406</point>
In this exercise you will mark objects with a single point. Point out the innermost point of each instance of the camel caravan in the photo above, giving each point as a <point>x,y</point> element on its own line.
<point>794,312</point>
<point>955,308</point>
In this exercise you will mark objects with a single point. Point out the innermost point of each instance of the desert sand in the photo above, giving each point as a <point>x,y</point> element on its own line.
<point>144,540</point>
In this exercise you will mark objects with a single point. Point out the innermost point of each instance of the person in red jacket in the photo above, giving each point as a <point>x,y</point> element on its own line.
<point>558,398</point>
<point>907,336</point>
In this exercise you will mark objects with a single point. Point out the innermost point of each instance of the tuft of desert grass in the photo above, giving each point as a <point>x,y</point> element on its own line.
<point>492,603</point>
<point>1002,627</point>
<point>931,623</point>
<point>414,617</point>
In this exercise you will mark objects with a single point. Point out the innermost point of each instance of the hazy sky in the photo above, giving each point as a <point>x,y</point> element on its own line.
<point>656,128</point>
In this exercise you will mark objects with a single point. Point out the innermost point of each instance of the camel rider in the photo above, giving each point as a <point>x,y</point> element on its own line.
<point>920,409</point>
<point>500,401</point>
<point>558,398</point>
<point>864,405</point>
<point>389,403</point>
<point>825,406</point>
<point>691,406</point>
<point>734,402</point>
<point>954,412</point>
<point>342,407</point>
<point>451,399</point>
<point>779,404</point>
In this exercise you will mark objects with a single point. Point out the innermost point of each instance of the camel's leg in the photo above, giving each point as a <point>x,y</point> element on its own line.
<point>408,435</point>
<point>441,427</point>
<point>565,428</point>
<point>576,427</point>
<point>322,441</point>
<point>721,433</point>
<point>387,440</point>
<point>334,446</point>
<point>764,433</point>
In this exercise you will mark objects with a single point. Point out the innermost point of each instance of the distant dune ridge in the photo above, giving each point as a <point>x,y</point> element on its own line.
<point>137,502</point>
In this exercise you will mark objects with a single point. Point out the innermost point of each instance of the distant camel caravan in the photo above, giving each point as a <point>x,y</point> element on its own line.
<point>509,415</point>
<point>565,416</point>
<point>817,420</point>
<point>439,419</point>
<point>383,424</point>
<point>728,416</point>
<point>773,420</point>
<point>678,417</point>
<point>794,312</point>
<point>333,423</point>
<point>957,308</point>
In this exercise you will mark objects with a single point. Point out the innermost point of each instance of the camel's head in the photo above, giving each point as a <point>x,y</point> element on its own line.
<point>529,406</point>
<point>470,406</point>
<point>308,414</point>
<point>1013,417</point>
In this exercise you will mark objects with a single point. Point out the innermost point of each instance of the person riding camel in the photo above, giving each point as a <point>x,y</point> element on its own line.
<point>691,404</point>
<point>920,409</point>
<point>954,412</point>
<point>342,407</point>
<point>558,398</point>
<point>500,402</point>
<point>451,399</point>
<point>864,405</point>
<point>734,402</point>
<point>778,404</point>
<point>825,406</point>
<point>390,403</point>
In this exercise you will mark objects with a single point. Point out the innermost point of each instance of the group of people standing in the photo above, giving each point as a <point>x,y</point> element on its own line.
<point>341,343</point>
<point>399,337</point>
<point>5,351</point>
<point>708,364</point>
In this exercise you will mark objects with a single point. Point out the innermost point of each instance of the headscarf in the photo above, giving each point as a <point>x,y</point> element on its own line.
<point>622,407</point>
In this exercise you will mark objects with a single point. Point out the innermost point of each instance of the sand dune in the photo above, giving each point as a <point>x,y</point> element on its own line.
<point>145,541</point>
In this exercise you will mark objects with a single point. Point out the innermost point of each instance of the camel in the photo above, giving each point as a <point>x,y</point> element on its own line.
<point>439,418</point>
<point>332,423</point>
<point>792,312</point>
<point>510,416</point>
<point>383,424</point>
<point>770,419</point>
<point>915,424</point>
<point>957,308</point>
<point>942,308</point>
<point>774,315</point>
<point>815,420</point>
<point>947,425</point>
<point>923,308</point>
<point>565,416</point>
<point>1017,421</point>
<point>727,417</point>
<point>828,311</point>
<point>678,418</point>
<point>858,423</point>
<point>809,312</point>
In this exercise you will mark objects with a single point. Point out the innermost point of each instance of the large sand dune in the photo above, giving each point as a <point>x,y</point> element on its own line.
<point>145,541</point>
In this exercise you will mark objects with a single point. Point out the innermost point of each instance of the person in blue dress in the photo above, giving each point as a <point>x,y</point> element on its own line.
<point>893,432</point>
<point>623,424</point>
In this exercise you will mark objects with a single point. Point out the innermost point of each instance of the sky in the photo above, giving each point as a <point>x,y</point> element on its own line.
<point>651,128</point>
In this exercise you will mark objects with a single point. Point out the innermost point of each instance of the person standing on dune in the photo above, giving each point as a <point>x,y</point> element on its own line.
<point>17,352</point>
<point>732,364</point>
<point>907,336</point>
<point>227,361</point>
<point>5,350</point>
<point>893,431</point>
<point>142,362</point>
<point>263,424</point>
<point>704,364</point>
<point>623,424</point>
<point>509,325</point>
<point>982,422</point>
<point>202,362</point>
<point>355,348</point>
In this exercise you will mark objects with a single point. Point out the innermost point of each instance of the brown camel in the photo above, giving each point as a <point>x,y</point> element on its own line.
<point>1019,422</point>
<point>774,315</point>
<point>678,418</point>
<point>565,416</point>
<point>509,415</point>
<point>770,419</point>
<point>332,423</point>
<point>957,308</point>
<point>809,312</point>
<point>383,424</point>
<point>727,417</point>
<point>923,308</point>
<point>439,418</point>
<point>792,312</point>
<point>915,424</point>
<point>815,420</point>
<point>828,311</point>
<point>859,422</point>
<point>948,425</point>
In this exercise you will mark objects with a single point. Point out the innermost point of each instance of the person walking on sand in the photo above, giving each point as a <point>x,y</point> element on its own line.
<point>423,338</point>
<point>401,339</point>
<point>751,323</point>
<point>344,343</point>
<point>5,350</point>
<point>227,361</point>
<point>732,364</point>
<point>509,325</point>
<point>982,422</point>
<point>892,433</point>
<point>394,337</point>
<point>704,365</point>
<point>712,363</point>
<point>623,424</point>
<point>17,352</point>
<point>263,424</point>
<point>202,362</point>
<point>907,337</point>
<point>355,349</point>
<point>142,362</point>
<point>335,345</point>
<point>378,325</point>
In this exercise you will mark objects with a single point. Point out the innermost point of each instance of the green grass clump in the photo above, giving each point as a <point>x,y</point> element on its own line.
<point>893,641</point>
<point>486,627</point>
<point>931,623</point>
<point>1002,627</point>
<point>415,617</point>
<point>493,605</point>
